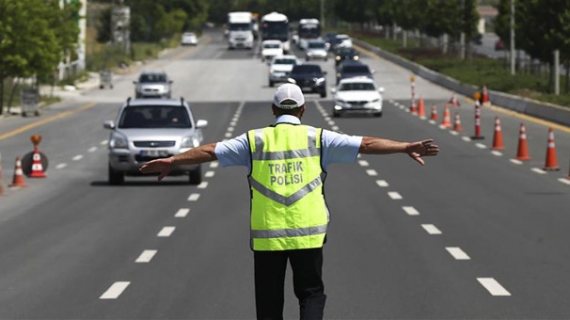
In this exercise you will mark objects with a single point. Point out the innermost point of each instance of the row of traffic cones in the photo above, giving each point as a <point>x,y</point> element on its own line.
<point>18,178</point>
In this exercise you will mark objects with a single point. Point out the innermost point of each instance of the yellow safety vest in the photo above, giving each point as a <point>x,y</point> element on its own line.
<point>288,209</point>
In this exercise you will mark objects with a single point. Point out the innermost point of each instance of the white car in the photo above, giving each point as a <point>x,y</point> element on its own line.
<point>359,95</point>
<point>270,49</point>
<point>281,67</point>
<point>316,49</point>
<point>189,39</point>
<point>343,40</point>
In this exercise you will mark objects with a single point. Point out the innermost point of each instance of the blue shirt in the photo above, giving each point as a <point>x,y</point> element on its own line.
<point>336,147</point>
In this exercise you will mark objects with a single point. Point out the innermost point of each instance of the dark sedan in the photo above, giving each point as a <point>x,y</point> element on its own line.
<point>351,69</point>
<point>310,78</point>
<point>343,54</point>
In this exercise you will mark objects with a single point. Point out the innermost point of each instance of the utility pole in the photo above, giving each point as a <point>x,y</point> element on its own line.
<point>512,37</point>
<point>322,14</point>
<point>462,39</point>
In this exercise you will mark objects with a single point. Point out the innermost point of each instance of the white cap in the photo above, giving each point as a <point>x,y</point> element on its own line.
<point>288,91</point>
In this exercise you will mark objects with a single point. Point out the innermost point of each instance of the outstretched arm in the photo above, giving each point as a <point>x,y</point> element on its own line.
<point>416,150</point>
<point>197,155</point>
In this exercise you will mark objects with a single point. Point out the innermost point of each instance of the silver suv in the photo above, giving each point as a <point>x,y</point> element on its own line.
<point>153,84</point>
<point>147,129</point>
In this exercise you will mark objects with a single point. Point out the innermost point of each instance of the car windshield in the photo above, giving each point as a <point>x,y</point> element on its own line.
<point>345,51</point>
<point>153,117</point>
<point>285,61</point>
<point>357,86</point>
<point>307,69</point>
<point>189,35</point>
<point>317,45</point>
<point>271,46</point>
<point>240,26</point>
<point>342,37</point>
<point>355,69</point>
<point>152,77</point>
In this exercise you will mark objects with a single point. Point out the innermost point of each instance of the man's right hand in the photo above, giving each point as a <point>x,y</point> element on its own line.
<point>162,166</point>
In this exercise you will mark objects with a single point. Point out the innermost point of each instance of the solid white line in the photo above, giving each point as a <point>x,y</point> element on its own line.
<point>466,139</point>
<point>481,146</point>
<point>209,174</point>
<point>203,185</point>
<point>411,211</point>
<point>61,166</point>
<point>565,180</point>
<point>431,229</point>
<point>457,253</point>
<point>497,153</point>
<point>335,128</point>
<point>194,197</point>
<point>77,157</point>
<point>494,288</point>
<point>371,172</point>
<point>182,213</point>
<point>146,256</point>
<point>363,163</point>
<point>515,161</point>
<point>166,232</point>
<point>92,149</point>
<point>104,142</point>
<point>538,170</point>
<point>394,195</point>
<point>214,164</point>
<point>382,183</point>
<point>115,290</point>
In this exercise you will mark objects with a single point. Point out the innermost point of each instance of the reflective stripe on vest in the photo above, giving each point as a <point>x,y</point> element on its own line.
<point>288,210</point>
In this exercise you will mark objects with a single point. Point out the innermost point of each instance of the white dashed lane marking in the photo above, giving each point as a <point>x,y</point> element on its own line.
<point>394,195</point>
<point>382,183</point>
<point>411,211</point>
<point>104,142</point>
<point>494,287</point>
<point>363,163</point>
<point>565,180</point>
<point>231,129</point>
<point>457,253</point>
<point>331,123</point>
<point>146,256</point>
<point>194,197</point>
<point>203,185</point>
<point>481,146</point>
<point>92,149</point>
<point>335,128</point>
<point>77,157</point>
<point>61,166</point>
<point>431,229</point>
<point>466,139</point>
<point>182,213</point>
<point>209,174</point>
<point>454,133</point>
<point>538,170</point>
<point>497,153</point>
<point>166,232</point>
<point>228,135</point>
<point>214,164</point>
<point>115,290</point>
<point>371,172</point>
<point>515,161</point>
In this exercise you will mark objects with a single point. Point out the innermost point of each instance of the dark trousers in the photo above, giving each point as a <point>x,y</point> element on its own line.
<point>270,267</point>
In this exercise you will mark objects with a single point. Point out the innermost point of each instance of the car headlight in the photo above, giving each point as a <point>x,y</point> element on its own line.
<point>319,80</point>
<point>340,102</point>
<point>375,100</point>
<point>356,57</point>
<point>189,142</point>
<point>271,71</point>
<point>118,141</point>
<point>337,58</point>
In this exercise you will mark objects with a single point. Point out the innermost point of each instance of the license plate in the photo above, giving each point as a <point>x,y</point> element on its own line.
<point>307,89</point>
<point>154,153</point>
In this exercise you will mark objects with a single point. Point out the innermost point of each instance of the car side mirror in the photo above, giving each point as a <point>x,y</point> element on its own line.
<point>324,73</point>
<point>109,124</point>
<point>291,80</point>
<point>381,89</point>
<point>333,90</point>
<point>201,124</point>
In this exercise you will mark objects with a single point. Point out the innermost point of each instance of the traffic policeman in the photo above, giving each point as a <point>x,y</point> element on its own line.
<point>287,164</point>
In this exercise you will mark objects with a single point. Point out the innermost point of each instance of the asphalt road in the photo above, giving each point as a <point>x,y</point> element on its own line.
<point>470,235</point>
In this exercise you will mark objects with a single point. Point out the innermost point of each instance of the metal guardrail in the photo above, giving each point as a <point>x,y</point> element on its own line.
<point>543,110</point>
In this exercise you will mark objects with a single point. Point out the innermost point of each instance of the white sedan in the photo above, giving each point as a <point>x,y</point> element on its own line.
<point>270,49</point>
<point>359,95</point>
<point>281,67</point>
<point>189,39</point>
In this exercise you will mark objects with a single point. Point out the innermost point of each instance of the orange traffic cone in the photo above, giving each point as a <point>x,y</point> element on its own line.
<point>522,149</point>
<point>433,116</point>
<point>457,125</point>
<point>37,167</point>
<point>453,101</point>
<point>485,96</point>
<point>498,136</point>
<point>551,163</point>
<point>18,180</point>
<point>446,117</point>
<point>421,107</point>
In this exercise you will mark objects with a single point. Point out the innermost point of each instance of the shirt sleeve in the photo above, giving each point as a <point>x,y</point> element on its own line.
<point>233,152</point>
<point>339,148</point>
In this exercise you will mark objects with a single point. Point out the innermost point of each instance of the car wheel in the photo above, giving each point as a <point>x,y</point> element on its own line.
<point>323,94</point>
<point>378,114</point>
<point>336,114</point>
<point>195,176</point>
<point>271,83</point>
<point>115,177</point>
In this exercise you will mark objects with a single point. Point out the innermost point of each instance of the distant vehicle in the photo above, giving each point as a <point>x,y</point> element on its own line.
<point>330,39</point>
<point>148,129</point>
<point>308,29</point>
<point>357,95</point>
<point>499,45</point>
<point>255,25</point>
<point>351,69</point>
<point>240,30</point>
<point>189,39</point>
<point>275,26</point>
<point>346,54</point>
<point>342,40</point>
<point>280,68</point>
<point>153,84</point>
<point>310,78</point>
<point>270,49</point>
<point>316,49</point>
